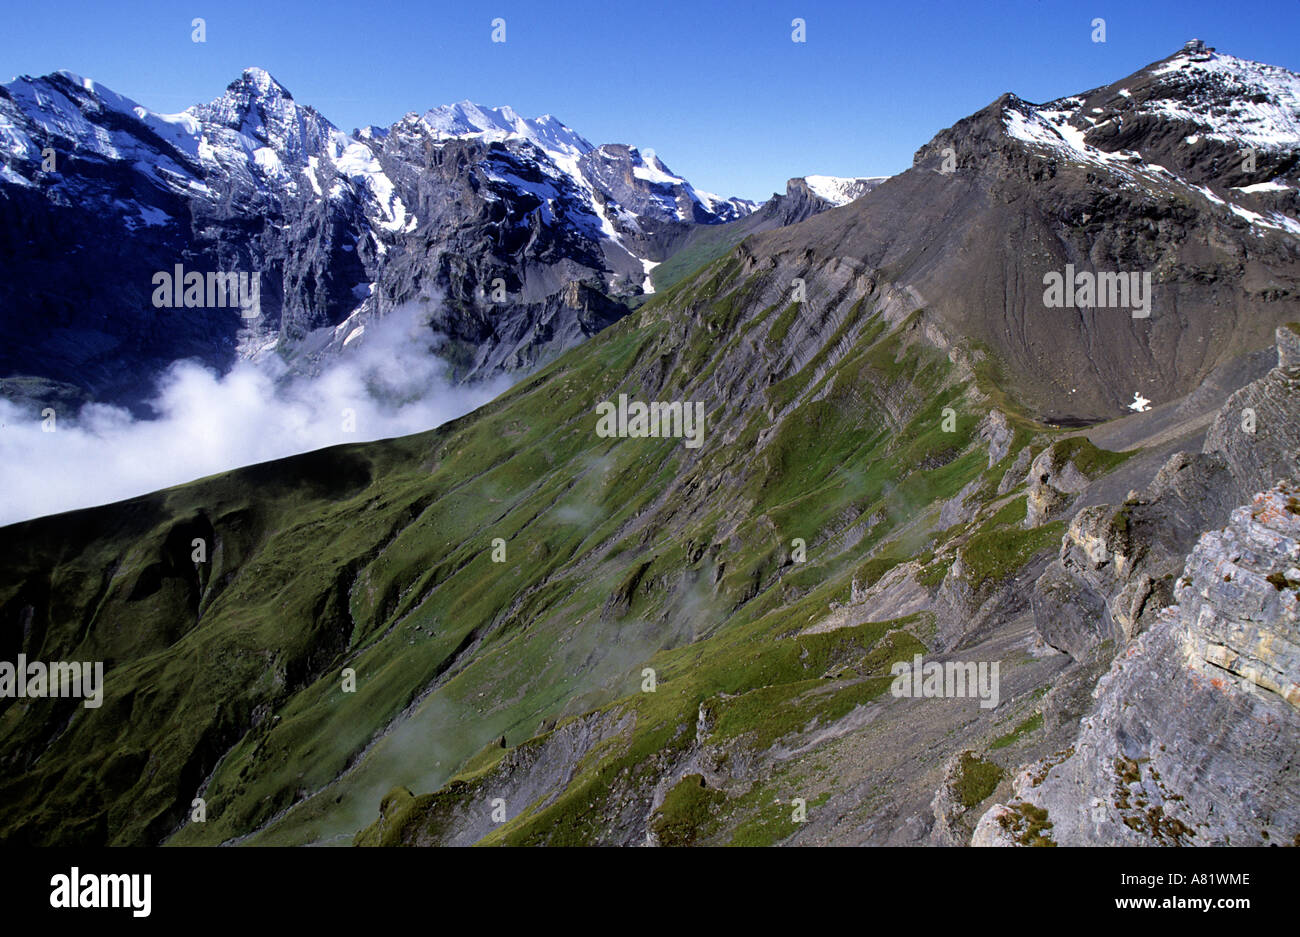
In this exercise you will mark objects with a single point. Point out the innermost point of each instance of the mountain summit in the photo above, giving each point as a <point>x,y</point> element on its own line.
<point>1165,173</point>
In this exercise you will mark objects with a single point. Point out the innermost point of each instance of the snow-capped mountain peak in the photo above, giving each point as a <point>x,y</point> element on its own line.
<point>651,168</point>
<point>1232,99</point>
<point>1211,126</point>
<point>493,124</point>
<point>106,95</point>
<point>264,83</point>
<point>258,107</point>
<point>615,184</point>
<point>255,180</point>
<point>77,114</point>
<point>1213,97</point>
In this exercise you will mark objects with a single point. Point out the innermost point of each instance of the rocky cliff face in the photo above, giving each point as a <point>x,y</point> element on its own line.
<point>811,195</point>
<point>1195,736</point>
<point>227,187</point>
<point>644,186</point>
<point>1194,729</point>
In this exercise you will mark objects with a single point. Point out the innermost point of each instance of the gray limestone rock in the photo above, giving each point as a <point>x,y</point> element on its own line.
<point>996,432</point>
<point>1053,480</point>
<point>1195,737</point>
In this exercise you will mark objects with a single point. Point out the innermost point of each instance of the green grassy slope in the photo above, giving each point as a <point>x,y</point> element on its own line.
<point>225,678</point>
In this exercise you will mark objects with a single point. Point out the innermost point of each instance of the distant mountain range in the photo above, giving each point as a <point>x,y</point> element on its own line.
<point>520,237</point>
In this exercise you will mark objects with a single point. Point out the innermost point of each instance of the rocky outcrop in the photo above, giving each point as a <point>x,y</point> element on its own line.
<point>1258,430</point>
<point>1053,480</point>
<point>1117,565</point>
<point>997,434</point>
<point>952,808</point>
<point>1195,738</point>
<point>1016,474</point>
<point>966,611</point>
<point>471,807</point>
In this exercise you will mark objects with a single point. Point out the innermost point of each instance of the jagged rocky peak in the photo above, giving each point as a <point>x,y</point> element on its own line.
<point>254,89</point>
<point>339,209</point>
<point>641,183</point>
<point>635,178</point>
<point>256,105</point>
<point>262,83</point>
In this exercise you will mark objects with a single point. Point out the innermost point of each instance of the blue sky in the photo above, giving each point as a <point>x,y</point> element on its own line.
<point>719,90</point>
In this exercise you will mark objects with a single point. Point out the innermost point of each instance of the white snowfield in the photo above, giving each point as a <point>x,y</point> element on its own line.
<point>1264,114</point>
<point>1271,186</point>
<point>497,124</point>
<point>840,190</point>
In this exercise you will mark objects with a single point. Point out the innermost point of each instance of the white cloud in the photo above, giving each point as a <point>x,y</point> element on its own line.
<point>210,423</point>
